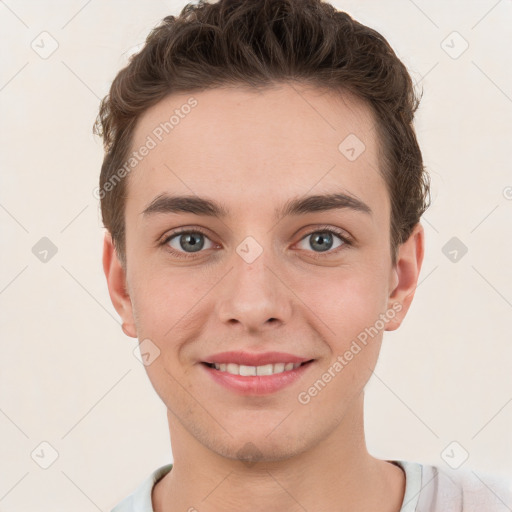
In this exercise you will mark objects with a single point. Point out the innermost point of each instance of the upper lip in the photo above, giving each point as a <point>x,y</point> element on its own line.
<point>255,359</point>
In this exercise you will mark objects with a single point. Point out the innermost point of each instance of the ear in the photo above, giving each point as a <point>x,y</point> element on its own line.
<point>116,280</point>
<point>404,276</point>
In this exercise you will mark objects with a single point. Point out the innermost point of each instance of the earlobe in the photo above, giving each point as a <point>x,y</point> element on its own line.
<point>116,281</point>
<point>406,272</point>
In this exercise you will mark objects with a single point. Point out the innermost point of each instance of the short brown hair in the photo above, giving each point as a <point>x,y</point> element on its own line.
<point>259,43</point>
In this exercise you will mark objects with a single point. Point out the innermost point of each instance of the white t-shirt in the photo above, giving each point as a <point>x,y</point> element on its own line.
<point>427,489</point>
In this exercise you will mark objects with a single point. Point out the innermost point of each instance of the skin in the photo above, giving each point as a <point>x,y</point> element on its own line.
<point>253,151</point>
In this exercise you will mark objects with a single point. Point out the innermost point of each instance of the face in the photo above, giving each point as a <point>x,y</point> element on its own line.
<point>253,263</point>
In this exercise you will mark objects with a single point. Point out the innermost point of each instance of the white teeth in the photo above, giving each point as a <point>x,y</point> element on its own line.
<point>279,367</point>
<point>230,368</point>
<point>248,371</point>
<point>266,369</point>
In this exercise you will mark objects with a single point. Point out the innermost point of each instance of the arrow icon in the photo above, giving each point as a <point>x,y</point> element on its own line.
<point>351,147</point>
<point>44,250</point>
<point>44,44</point>
<point>454,249</point>
<point>146,352</point>
<point>249,252</point>
<point>44,455</point>
<point>454,45</point>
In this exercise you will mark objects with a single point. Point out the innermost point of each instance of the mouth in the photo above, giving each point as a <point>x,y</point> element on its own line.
<point>256,371</point>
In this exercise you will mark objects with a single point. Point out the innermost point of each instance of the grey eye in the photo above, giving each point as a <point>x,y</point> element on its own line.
<point>322,241</point>
<point>189,242</point>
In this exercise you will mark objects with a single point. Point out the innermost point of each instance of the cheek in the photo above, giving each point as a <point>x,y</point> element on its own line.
<point>347,302</point>
<point>347,308</point>
<point>162,299</point>
<point>170,311</point>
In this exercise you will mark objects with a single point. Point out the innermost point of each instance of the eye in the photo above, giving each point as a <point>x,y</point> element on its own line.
<point>324,240</point>
<point>187,242</point>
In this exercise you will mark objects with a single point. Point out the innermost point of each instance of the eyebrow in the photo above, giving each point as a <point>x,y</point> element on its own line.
<point>165,203</point>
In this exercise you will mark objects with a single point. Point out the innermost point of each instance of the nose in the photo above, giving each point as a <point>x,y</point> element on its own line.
<point>254,296</point>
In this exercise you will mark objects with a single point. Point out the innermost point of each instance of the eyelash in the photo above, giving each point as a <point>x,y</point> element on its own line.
<point>321,229</point>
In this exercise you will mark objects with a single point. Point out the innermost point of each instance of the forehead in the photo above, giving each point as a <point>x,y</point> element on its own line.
<point>265,145</point>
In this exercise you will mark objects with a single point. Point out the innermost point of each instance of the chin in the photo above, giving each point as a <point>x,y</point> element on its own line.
<point>251,453</point>
<point>251,449</point>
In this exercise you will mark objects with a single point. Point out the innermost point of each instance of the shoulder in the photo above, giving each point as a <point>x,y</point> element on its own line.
<point>438,488</point>
<point>140,499</point>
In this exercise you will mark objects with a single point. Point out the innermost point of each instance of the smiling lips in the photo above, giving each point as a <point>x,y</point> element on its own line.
<point>255,374</point>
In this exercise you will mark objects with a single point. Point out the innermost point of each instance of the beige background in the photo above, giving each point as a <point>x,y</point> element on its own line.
<point>68,375</point>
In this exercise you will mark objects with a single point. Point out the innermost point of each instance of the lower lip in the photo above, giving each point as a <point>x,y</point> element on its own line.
<point>259,384</point>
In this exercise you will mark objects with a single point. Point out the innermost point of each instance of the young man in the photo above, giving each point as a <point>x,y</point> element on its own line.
<point>262,189</point>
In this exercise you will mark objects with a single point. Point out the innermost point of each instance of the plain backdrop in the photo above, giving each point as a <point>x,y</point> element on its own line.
<point>68,375</point>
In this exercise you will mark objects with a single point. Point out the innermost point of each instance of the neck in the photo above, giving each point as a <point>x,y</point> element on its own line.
<point>337,474</point>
